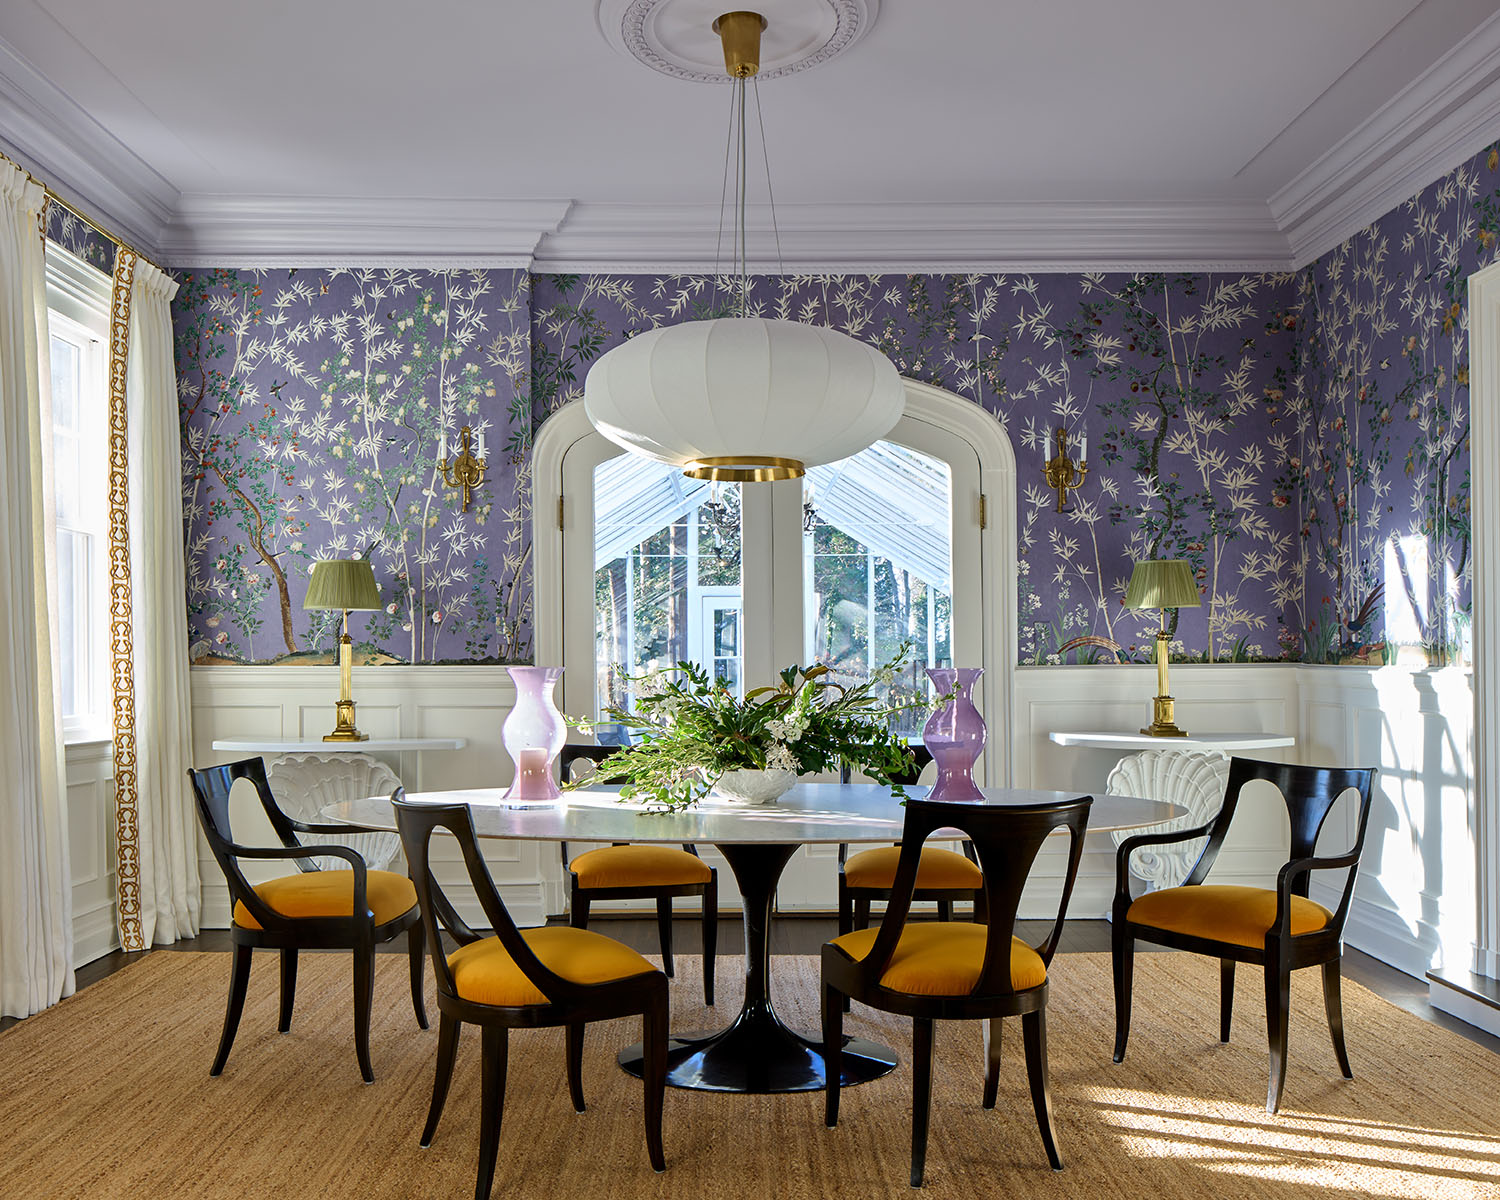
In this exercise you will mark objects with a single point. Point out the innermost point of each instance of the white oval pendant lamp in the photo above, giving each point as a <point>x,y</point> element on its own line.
<point>743,398</point>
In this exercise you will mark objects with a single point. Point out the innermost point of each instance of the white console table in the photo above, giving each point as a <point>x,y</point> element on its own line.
<point>319,746</point>
<point>1225,743</point>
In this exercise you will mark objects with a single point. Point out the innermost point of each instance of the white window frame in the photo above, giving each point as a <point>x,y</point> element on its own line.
<point>78,303</point>
<point>935,420</point>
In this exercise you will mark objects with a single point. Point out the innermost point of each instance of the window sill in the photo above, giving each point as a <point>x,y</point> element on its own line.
<point>81,738</point>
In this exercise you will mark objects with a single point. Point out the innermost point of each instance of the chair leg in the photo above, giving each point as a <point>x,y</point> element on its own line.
<point>364,999</point>
<point>491,1105</point>
<point>945,910</point>
<point>578,911</point>
<point>846,908</point>
<point>239,980</point>
<point>992,1031</point>
<point>416,946</point>
<point>921,1094</point>
<point>288,988</point>
<point>1034,1029</point>
<point>664,931</point>
<point>1278,1002</point>
<point>575,1064</point>
<point>1334,1003</point>
<point>833,1052</point>
<point>862,913</point>
<point>1226,996</point>
<point>1123,954</point>
<point>981,908</point>
<point>710,938</point>
<point>447,1051</point>
<point>654,1077</point>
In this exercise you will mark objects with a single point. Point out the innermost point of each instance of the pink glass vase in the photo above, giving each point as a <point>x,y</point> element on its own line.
<point>955,734</point>
<point>534,733</point>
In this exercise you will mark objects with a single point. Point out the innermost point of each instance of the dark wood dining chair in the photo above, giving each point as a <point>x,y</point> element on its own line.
<point>310,909</point>
<point>958,970</point>
<point>1279,929</point>
<point>523,979</point>
<point>632,872</point>
<point>945,876</point>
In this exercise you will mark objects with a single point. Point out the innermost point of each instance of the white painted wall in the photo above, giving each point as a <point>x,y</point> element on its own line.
<point>90,786</point>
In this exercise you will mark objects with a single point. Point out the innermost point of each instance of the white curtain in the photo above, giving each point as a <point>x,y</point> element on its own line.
<point>36,934</point>
<point>169,885</point>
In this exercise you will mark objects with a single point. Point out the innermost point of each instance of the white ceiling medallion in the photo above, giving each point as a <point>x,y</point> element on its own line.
<point>676,37</point>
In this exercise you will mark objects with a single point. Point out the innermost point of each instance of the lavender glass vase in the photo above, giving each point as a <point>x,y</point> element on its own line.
<point>534,733</point>
<point>955,734</point>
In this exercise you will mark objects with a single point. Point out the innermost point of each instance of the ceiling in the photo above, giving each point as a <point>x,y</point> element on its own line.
<point>1204,129</point>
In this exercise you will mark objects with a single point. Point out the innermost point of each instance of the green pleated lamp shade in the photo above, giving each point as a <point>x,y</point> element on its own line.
<point>342,583</point>
<point>1162,583</point>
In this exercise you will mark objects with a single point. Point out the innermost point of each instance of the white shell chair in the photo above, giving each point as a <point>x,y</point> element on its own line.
<point>305,784</point>
<point>1193,779</point>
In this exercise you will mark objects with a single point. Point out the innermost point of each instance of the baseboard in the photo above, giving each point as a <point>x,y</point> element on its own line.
<point>94,934</point>
<point>1382,933</point>
<point>1472,998</point>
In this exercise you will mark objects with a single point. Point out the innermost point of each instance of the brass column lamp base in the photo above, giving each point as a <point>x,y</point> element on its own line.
<point>343,728</point>
<point>1163,723</point>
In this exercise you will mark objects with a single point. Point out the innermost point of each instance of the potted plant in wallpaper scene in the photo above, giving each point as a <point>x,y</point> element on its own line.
<point>312,404</point>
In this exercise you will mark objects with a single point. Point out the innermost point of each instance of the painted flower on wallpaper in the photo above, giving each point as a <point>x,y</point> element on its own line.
<point>66,229</point>
<point>314,404</point>
<point>1173,372</point>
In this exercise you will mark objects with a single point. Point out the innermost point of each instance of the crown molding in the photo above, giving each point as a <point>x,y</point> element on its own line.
<point>1446,115</point>
<point>880,238</point>
<point>51,135</point>
<point>288,231</point>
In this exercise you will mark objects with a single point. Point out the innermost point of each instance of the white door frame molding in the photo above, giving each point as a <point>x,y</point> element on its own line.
<point>1484,450</point>
<point>997,539</point>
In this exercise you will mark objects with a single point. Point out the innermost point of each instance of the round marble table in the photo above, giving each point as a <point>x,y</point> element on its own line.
<point>756,1053</point>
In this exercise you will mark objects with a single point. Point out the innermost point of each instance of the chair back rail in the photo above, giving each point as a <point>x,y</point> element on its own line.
<point>1309,794</point>
<point>417,823</point>
<point>1007,839</point>
<point>921,756</point>
<point>571,753</point>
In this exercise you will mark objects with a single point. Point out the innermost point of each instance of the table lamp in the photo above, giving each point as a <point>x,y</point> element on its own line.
<point>343,584</point>
<point>1162,583</point>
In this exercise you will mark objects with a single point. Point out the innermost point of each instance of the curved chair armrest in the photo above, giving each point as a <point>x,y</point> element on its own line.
<point>1130,844</point>
<point>1301,866</point>
<point>352,857</point>
<point>338,829</point>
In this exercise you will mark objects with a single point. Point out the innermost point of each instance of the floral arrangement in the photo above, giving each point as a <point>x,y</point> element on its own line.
<point>693,729</point>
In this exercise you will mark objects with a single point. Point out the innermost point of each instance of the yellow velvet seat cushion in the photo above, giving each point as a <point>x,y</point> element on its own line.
<point>331,894</point>
<point>943,958</point>
<point>484,973</point>
<point>937,868</point>
<point>1223,912</point>
<point>638,866</point>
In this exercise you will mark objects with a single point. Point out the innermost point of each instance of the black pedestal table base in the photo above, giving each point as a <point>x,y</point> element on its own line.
<point>757,1053</point>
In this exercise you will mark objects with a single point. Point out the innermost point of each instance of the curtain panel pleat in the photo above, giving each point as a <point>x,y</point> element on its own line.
<point>36,938</point>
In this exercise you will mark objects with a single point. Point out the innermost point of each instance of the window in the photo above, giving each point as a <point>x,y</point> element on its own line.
<point>78,326</point>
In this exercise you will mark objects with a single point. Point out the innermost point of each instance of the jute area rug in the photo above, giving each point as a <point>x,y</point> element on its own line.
<point>108,1095</point>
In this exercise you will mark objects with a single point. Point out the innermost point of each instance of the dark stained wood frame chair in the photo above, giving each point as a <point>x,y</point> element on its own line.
<point>1006,839</point>
<point>571,1004</point>
<point>854,902</point>
<point>357,932</point>
<point>1310,794</point>
<point>663,893</point>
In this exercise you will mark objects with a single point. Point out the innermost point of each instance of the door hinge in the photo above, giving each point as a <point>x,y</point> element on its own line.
<point>984,517</point>
<point>559,513</point>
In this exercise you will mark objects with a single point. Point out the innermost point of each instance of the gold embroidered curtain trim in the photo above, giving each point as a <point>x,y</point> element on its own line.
<point>122,659</point>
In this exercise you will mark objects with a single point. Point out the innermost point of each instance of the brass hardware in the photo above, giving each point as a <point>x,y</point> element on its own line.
<point>984,516</point>
<point>344,729</point>
<point>118,241</point>
<point>744,468</point>
<point>740,32</point>
<point>466,472</point>
<point>1064,474</point>
<point>1163,716</point>
<point>559,513</point>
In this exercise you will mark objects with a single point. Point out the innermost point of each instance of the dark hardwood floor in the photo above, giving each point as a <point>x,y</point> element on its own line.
<point>806,935</point>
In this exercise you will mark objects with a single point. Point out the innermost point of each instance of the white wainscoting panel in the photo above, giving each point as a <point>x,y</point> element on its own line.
<point>90,782</point>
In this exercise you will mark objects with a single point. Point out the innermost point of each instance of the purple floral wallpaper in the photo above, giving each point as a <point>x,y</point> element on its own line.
<point>1380,488</point>
<point>1300,438</point>
<point>66,230</point>
<point>314,404</point>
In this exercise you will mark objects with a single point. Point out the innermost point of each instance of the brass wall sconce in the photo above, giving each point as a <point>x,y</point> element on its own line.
<point>466,472</point>
<point>1064,474</point>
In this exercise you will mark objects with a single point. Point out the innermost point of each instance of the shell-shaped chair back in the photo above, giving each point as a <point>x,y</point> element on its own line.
<point>1193,779</point>
<point>305,784</point>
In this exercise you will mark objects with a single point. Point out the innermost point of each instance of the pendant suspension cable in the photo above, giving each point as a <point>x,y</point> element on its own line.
<point>719,281</point>
<point>743,188</point>
<point>765,155</point>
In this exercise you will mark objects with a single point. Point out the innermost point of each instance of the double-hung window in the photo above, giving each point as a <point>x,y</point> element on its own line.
<point>78,299</point>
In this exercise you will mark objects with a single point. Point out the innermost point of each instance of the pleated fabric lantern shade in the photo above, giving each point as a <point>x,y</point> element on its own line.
<point>744,398</point>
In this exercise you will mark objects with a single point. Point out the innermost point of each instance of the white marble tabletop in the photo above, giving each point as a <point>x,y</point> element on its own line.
<point>810,812</point>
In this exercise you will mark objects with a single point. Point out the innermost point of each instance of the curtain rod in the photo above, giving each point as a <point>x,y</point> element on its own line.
<point>115,239</point>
